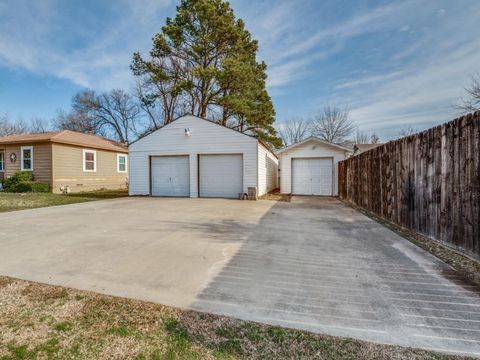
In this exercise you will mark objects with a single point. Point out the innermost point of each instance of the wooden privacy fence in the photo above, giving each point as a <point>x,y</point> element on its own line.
<point>427,182</point>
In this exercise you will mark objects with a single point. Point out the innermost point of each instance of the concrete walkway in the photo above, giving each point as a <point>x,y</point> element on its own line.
<point>312,264</point>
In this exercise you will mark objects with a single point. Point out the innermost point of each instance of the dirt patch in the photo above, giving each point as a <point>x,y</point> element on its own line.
<point>43,321</point>
<point>36,292</point>
<point>5,281</point>
<point>276,196</point>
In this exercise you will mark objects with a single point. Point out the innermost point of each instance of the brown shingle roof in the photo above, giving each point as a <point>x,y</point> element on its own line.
<point>360,148</point>
<point>66,137</point>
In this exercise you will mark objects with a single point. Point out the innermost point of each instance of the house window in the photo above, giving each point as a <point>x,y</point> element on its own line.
<point>121,163</point>
<point>89,160</point>
<point>2,161</point>
<point>26,153</point>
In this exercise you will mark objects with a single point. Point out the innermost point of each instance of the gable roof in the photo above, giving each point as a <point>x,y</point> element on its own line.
<point>314,138</point>
<point>66,137</point>
<point>217,124</point>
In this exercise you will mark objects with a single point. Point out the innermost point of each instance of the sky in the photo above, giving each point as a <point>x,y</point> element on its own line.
<point>394,64</point>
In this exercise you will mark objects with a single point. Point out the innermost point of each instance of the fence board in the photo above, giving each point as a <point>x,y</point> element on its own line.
<point>427,182</point>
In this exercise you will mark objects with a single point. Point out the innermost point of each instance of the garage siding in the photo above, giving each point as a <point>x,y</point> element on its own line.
<point>267,171</point>
<point>310,149</point>
<point>205,138</point>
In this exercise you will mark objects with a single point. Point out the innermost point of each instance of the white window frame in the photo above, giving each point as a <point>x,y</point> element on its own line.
<point>94,152</point>
<point>31,157</point>
<point>2,169</point>
<point>118,163</point>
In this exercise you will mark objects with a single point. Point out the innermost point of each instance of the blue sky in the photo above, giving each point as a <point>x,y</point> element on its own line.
<point>393,63</point>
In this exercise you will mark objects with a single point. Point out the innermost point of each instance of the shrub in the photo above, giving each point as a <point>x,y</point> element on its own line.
<point>22,176</point>
<point>9,184</point>
<point>31,186</point>
<point>40,187</point>
<point>22,181</point>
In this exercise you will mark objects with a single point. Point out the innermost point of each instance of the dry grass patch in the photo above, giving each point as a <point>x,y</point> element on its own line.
<point>14,202</point>
<point>40,321</point>
<point>276,196</point>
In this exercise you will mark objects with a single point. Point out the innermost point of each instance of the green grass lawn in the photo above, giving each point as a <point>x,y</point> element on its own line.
<point>13,202</point>
<point>40,321</point>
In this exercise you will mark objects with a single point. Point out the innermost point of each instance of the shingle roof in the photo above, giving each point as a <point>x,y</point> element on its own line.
<point>314,138</point>
<point>66,137</point>
<point>360,148</point>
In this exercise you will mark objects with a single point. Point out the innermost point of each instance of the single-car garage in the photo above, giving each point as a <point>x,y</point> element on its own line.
<point>312,176</point>
<point>194,157</point>
<point>310,167</point>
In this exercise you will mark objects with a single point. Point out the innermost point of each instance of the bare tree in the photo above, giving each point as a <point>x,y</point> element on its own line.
<point>374,139</point>
<point>361,138</point>
<point>333,124</point>
<point>39,125</point>
<point>76,120</point>
<point>9,127</point>
<point>294,130</point>
<point>472,102</point>
<point>152,109</point>
<point>114,114</point>
<point>407,131</point>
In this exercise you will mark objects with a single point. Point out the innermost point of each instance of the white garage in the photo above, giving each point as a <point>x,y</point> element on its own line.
<point>194,157</point>
<point>310,167</point>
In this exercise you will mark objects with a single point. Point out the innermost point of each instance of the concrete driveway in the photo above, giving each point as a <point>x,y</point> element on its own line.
<point>312,264</point>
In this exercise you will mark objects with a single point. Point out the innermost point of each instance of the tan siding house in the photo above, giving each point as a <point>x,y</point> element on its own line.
<point>66,160</point>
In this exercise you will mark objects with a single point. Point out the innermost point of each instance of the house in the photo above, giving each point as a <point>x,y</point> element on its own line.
<point>310,167</point>
<point>360,148</point>
<point>194,157</point>
<point>66,160</point>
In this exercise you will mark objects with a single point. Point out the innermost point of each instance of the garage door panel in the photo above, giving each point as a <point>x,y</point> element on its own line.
<point>171,176</point>
<point>301,177</point>
<point>312,176</point>
<point>221,175</point>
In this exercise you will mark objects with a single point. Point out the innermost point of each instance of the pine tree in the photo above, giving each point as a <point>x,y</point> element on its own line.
<point>204,62</point>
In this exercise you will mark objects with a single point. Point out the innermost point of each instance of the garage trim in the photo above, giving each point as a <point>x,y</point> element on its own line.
<point>332,190</point>
<point>150,175</point>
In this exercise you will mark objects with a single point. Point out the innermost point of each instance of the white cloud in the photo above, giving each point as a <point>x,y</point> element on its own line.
<point>369,80</point>
<point>419,83</point>
<point>370,21</point>
<point>290,56</point>
<point>102,61</point>
<point>425,96</point>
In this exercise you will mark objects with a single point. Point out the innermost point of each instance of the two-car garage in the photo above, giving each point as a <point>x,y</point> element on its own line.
<point>220,175</point>
<point>193,157</point>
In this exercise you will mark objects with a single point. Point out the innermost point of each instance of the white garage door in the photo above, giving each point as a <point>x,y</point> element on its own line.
<point>313,176</point>
<point>170,176</point>
<point>221,175</point>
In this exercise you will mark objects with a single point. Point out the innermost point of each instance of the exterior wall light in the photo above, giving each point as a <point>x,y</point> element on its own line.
<point>187,132</point>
